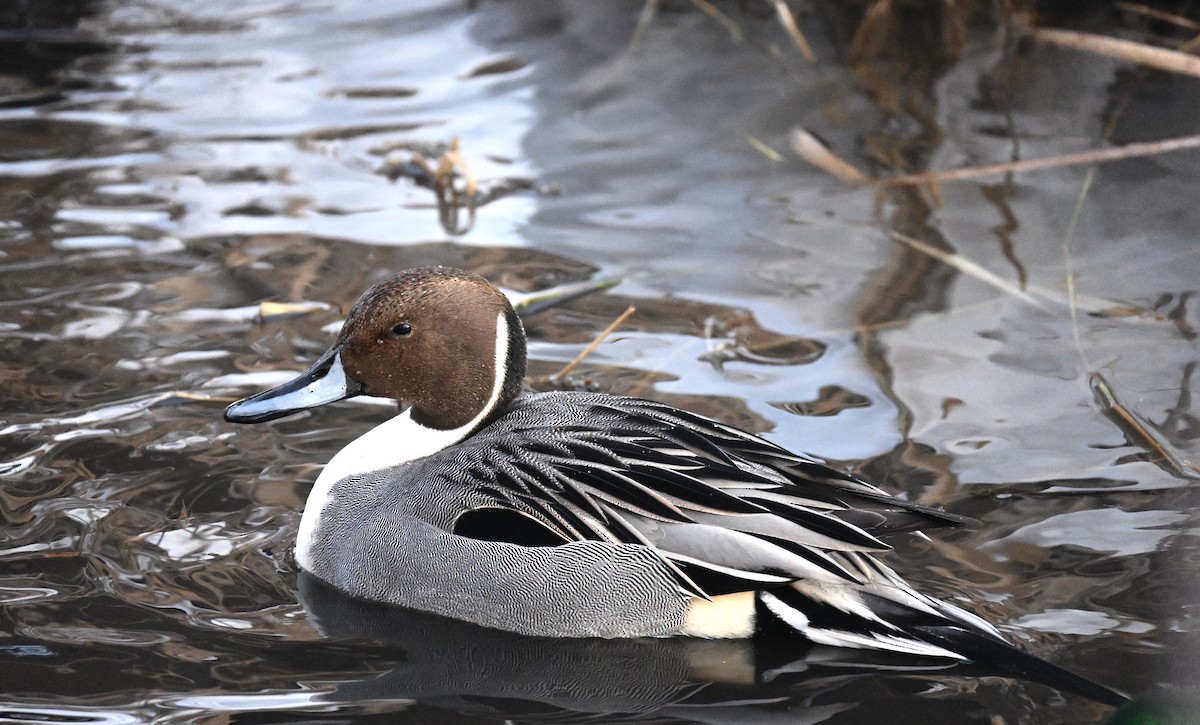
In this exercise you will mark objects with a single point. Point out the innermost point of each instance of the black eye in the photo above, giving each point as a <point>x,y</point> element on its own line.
<point>402,329</point>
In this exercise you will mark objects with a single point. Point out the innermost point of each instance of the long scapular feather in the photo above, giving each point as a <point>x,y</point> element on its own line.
<point>989,651</point>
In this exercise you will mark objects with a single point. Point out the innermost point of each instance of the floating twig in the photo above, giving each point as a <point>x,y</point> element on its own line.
<point>593,344</point>
<point>529,303</point>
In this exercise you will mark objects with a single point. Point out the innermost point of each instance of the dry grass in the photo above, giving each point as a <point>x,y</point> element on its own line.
<point>566,370</point>
<point>783,12</point>
<point>970,268</point>
<point>810,148</point>
<point>788,20</point>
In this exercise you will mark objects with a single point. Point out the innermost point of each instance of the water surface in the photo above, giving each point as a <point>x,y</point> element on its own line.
<point>166,166</point>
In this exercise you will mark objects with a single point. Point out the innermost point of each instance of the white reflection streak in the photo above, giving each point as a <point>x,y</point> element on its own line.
<point>181,709</point>
<point>103,414</point>
<point>205,705</point>
<point>203,542</point>
<point>1122,533</point>
<point>76,427</point>
<point>64,714</point>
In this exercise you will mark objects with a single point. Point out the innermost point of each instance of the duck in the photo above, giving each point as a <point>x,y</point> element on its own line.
<point>573,514</point>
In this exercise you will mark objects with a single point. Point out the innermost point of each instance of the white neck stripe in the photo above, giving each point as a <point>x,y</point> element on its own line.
<point>392,443</point>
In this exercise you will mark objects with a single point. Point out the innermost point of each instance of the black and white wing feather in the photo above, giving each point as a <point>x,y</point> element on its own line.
<point>727,511</point>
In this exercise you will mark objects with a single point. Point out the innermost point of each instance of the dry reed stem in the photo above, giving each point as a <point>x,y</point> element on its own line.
<point>645,18</point>
<point>818,154</point>
<point>450,200</point>
<point>453,160</point>
<point>1129,151</point>
<point>764,149</point>
<point>712,11</point>
<point>1030,294</point>
<point>1160,15</point>
<point>1091,305</point>
<point>1161,58</point>
<point>200,397</point>
<point>788,20</point>
<point>270,309</point>
<point>968,267</point>
<point>868,35</point>
<point>593,344</point>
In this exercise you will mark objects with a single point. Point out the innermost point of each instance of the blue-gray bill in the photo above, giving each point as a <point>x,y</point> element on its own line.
<point>325,382</point>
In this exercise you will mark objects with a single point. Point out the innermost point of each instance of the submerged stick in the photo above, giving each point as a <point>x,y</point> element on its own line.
<point>1134,429</point>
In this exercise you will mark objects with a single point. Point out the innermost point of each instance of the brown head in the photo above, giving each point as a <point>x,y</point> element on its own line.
<point>428,337</point>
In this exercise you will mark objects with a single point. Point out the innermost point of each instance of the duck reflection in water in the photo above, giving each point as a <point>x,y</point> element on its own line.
<point>458,667</point>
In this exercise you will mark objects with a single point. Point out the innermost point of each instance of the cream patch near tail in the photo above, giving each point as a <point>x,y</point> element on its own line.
<point>729,616</point>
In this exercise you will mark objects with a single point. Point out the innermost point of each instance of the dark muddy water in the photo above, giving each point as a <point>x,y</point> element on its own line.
<point>166,166</point>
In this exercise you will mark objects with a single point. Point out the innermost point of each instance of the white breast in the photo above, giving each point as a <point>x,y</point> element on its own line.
<point>392,443</point>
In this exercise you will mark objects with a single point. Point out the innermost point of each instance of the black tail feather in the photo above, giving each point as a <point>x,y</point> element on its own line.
<point>991,652</point>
